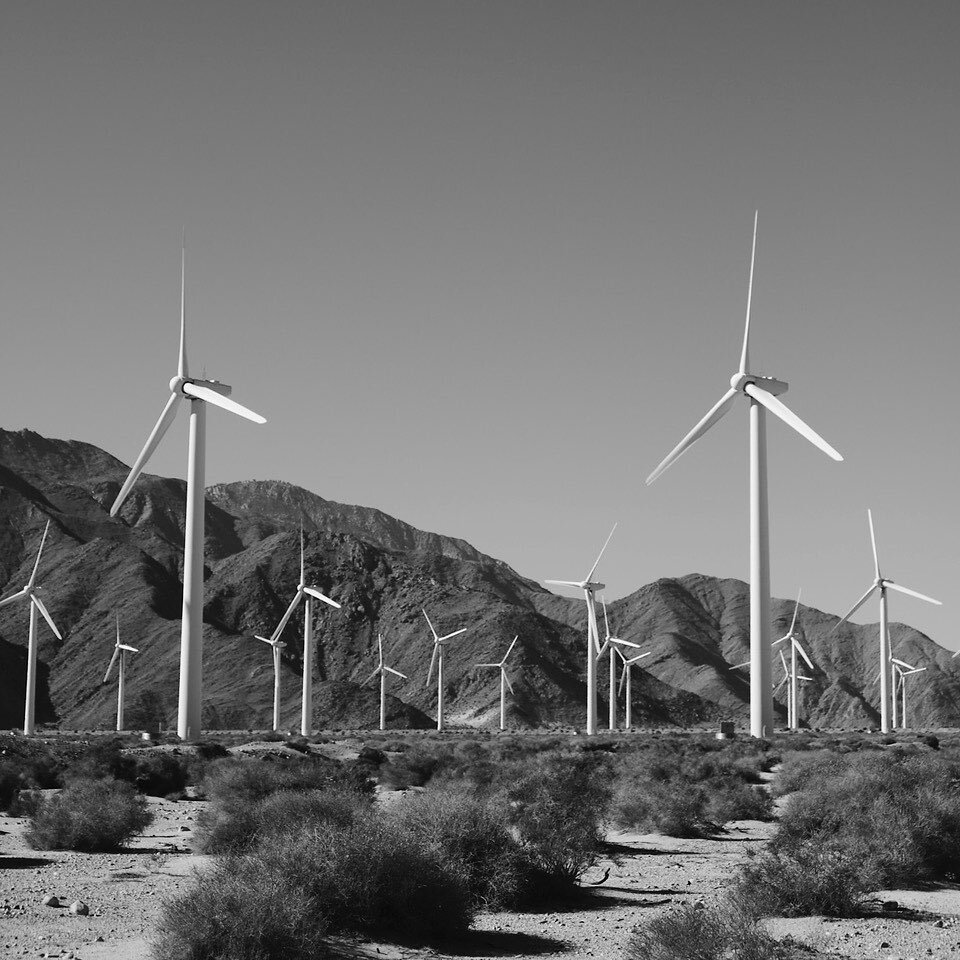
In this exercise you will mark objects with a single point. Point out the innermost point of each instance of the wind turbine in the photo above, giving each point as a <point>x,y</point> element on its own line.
<point>589,588</point>
<point>613,643</point>
<point>277,645</point>
<point>902,684</point>
<point>626,677</point>
<point>762,393</point>
<point>199,392</point>
<point>793,719</point>
<point>383,670</point>
<point>308,595</point>
<point>882,584</point>
<point>791,677</point>
<point>120,652</point>
<point>504,681</point>
<point>437,658</point>
<point>31,591</point>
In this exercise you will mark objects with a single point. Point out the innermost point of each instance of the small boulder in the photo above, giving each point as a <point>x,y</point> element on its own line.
<point>79,909</point>
<point>51,901</point>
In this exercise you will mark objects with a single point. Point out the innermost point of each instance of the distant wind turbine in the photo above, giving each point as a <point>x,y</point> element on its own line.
<point>31,592</point>
<point>120,652</point>
<point>793,717</point>
<point>504,681</point>
<point>626,678</point>
<point>761,392</point>
<point>307,595</point>
<point>437,658</point>
<point>199,392</point>
<point>790,677</point>
<point>882,584</point>
<point>904,670</point>
<point>613,644</point>
<point>383,670</point>
<point>276,646</point>
<point>590,588</point>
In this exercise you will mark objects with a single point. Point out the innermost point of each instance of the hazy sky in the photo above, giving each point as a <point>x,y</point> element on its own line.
<point>482,264</point>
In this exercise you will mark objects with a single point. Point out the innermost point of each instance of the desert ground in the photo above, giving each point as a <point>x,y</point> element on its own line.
<point>638,876</point>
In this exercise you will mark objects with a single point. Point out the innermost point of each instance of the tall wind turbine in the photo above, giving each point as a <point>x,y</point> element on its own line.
<point>383,670</point>
<point>31,592</point>
<point>437,658</point>
<point>199,392</point>
<point>120,652</point>
<point>793,718</point>
<point>276,646</point>
<point>613,644</point>
<point>504,681</point>
<point>590,588</point>
<point>307,595</point>
<point>626,677</point>
<point>882,584</point>
<point>762,393</point>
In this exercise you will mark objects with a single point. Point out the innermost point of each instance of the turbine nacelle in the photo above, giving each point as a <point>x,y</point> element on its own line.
<point>771,384</point>
<point>177,384</point>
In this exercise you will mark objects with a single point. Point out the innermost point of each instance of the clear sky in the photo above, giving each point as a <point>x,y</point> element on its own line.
<point>482,264</point>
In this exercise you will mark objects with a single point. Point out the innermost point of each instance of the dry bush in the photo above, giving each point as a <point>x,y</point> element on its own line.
<point>93,816</point>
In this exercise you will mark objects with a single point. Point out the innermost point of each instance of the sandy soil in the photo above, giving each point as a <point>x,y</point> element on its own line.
<point>647,874</point>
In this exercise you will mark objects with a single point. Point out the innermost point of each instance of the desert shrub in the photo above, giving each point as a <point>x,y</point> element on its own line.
<point>558,807</point>
<point>718,933</point>
<point>43,771</point>
<point>100,760</point>
<point>807,880</point>
<point>159,774</point>
<point>476,837</point>
<point>248,781</point>
<point>11,782</point>
<point>237,916</point>
<point>93,816</point>
<point>25,803</point>
<point>415,766</point>
<point>799,769</point>
<point>232,826</point>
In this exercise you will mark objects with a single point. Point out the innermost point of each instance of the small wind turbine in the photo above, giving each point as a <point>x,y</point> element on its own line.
<point>793,719</point>
<point>504,681</point>
<point>613,644</point>
<point>308,595</point>
<point>276,645</point>
<point>437,658</point>
<point>199,392</point>
<point>904,670</point>
<point>790,677</point>
<point>761,392</point>
<point>383,670</point>
<point>590,588</point>
<point>626,678</point>
<point>31,592</point>
<point>120,652</point>
<point>881,584</point>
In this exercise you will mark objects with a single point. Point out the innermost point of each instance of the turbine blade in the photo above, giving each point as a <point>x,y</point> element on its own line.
<point>911,593</point>
<point>380,647</point>
<point>219,400</point>
<point>15,596</point>
<point>625,643</point>
<point>779,409</point>
<point>796,610</point>
<point>46,615</point>
<point>602,549</point>
<point>903,663</point>
<point>565,583</point>
<point>113,660</point>
<point>396,673</point>
<point>433,660</point>
<point>803,653</point>
<point>740,666</point>
<point>162,425</point>
<point>606,622</point>
<point>873,543</point>
<point>602,649</point>
<point>264,639</point>
<point>854,608</point>
<point>745,354</point>
<point>434,632</point>
<point>510,649</point>
<point>780,684</point>
<point>486,664</point>
<point>507,681</point>
<point>286,616</point>
<point>456,633</point>
<point>623,679</point>
<point>372,675</point>
<point>303,575</point>
<point>633,660</point>
<point>317,595</point>
<point>182,357</point>
<point>36,564</point>
<point>126,646</point>
<point>715,413</point>
<point>784,637</point>
<point>783,660</point>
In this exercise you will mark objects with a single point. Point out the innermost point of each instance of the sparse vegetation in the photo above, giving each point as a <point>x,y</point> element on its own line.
<point>93,816</point>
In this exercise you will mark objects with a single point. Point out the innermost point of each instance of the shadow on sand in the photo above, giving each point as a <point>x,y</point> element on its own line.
<point>22,863</point>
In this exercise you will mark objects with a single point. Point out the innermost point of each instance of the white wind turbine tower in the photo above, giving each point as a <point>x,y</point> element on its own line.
<point>590,588</point>
<point>199,392</point>
<point>276,646</point>
<point>882,584</point>
<point>307,595</point>
<point>790,677</point>
<point>793,717</point>
<point>504,681</point>
<point>383,670</point>
<point>626,677</point>
<point>762,393</point>
<point>31,591</point>
<point>437,658</point>
<point>613,644</point>
<point>120,652</point>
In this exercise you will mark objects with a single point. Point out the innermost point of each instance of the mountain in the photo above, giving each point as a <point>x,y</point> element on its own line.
<point>382,571</point>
